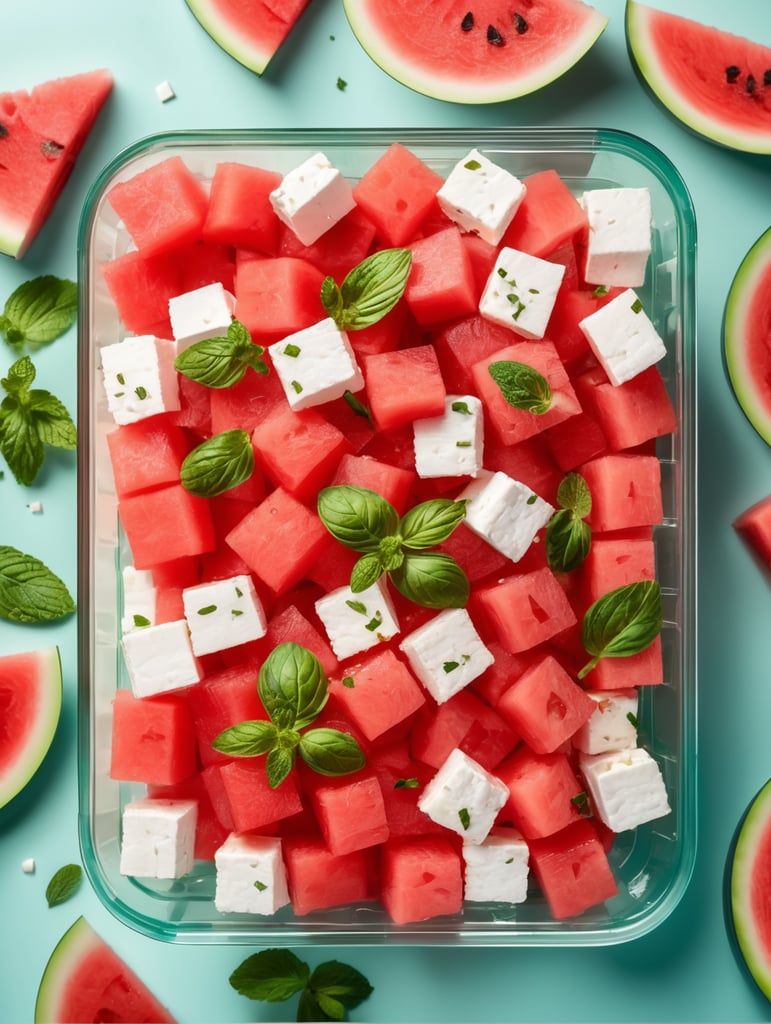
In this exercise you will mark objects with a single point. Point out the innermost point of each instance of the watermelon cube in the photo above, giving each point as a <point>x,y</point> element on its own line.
<point>630,413</point>
<point>527,609</point>
<point>377,693</point>
<point>421,877</point>
<point>165,524</point>
<point>572,869</point>
<point>401,781</point>
<point>646,668</point>
<point>461,344</point>
<point>615,561</point>
<point>548,216</point>
<point>153,739</point>
<point>542,788</point>
<point>576,440</point>
<point>253,804</point>
<point>141,286</point>
<point>338,250</point>
<point>397,192</point>
<point>209,833</point>
<point>391,482</point>
<point>146,454</point>
<point>441,285</point>
<point>276,297</point>
<point>351,813</point>
<point>220,700</point>
<point>394,405</point>
<point>319,879</point>
<point>464,721</point>
<point>299,451</point>
<point>240,213</point>
<point>246,404</point>
<point>625,489</point>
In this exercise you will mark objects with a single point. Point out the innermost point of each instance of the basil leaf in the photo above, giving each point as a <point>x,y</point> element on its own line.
<point>369,291</point>
<point>522,386</point>
<point>341,982</point>
<point>573,493</point>
<point>331,752</point>
<point>39,311</point>
<point>278,765</point>
<point>292,685</point>
<point>246,739</point>
<point>568,540</point>
<point>431,522</point>
<point>432,579</point>
<point>29,591</point>
<point>222,362</point>
<point>218,464</point>
<point>63,884</point>
<point>622,622</point>
<point>356,516</point>
<point>272,975</point>
<point>366,573</point>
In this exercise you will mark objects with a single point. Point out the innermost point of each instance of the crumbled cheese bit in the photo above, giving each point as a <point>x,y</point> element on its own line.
<point>164,92</point>
<point>28,866</point>
<point>35,507</point>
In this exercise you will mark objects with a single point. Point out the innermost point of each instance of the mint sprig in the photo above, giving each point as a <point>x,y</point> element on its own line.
<point>369,291</point>
<point>568,535</point>
<point>29,591</point>
<point>218,464</point>
<point>30,419</point>
<point>622,622</point>
<point>38,312</point>
<point>222,362</point>
<point>522,386</point>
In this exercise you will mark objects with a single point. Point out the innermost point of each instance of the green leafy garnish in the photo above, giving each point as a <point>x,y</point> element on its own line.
<point>568,536</point>
<point>30,419</point>
<point>581,801</point>
<point>38,312</point>
<point>522,386</point>
<point>29,591</point>
<point>411,783</point>
<point>140,621</point>
<point>218,464</point>
<point>465,818</point>
<point>222,362</point>
<point>358,407</point>
<point>369,291</point>
<point>632,718</point>
<point>64,884</point>
<point>622,622</point>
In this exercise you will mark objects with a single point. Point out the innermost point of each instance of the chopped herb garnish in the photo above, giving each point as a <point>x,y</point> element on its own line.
<point>406,783</point>
<point>235,612</point>
<point>119,394</point>
<point>532,499</point>
<point>534,291</point>
<point>632,718</point>
<point>120,378</point>
<point>581,802</point>
<point>472,165</point>
<point>358,407</point>
<point>465,818</point>
<point>357,606</point>
<point>141,620</point>
<point>141,393</point>
<point>374,622</point>
<point>341,84</point>
<point>292,350</point>
<point>261,886</point>
<point>348,681</point>
<point>600,290</point>
<point>297,386</point>
<point>208,609</point>
<point>463,444</point>
<point>509,860</point>
<point>461,407</point>
<point>239,592</point>
<point>501,272</point>
<point>450,666</point>
<point>637,306</point>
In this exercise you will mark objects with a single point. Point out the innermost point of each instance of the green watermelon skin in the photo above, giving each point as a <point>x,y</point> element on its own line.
<point>41,135</point>
<point>251,31</point>
<point>684,64</point>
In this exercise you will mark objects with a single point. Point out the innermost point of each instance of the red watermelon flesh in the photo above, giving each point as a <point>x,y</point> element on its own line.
<point>748,878</point>
<point>41,134</point>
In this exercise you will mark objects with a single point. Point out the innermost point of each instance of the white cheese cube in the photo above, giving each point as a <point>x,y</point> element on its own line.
<point>521,291</point>
<point>504,512</point>
<point>312,197</point>
<point>452,444</point>
<point>464,797</point>
<point>480,196</point>
<point>622,337</point>
<point>160,658</point>
<point>357,622</point>
<point>612,726</point>
<point>223,613</point>
<point>626,787</point>
<point>316,365</point>
<point>205,312</point>
<point>497,869</point>
<point>250,875</point>
<point>446,653</point>
<point>138,599</point>
<point>619,242</point>
<point>139,378</point>
<point>158,838</point>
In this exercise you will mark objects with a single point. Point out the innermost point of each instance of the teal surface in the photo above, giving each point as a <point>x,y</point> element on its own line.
<point>685,969</point>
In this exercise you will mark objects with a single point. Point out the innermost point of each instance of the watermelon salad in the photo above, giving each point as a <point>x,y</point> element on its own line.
<point>384,457</point>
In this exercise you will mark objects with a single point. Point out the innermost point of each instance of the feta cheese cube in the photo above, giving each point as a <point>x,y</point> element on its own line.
<point>138,599</point>
<point>622,337</point>
<point>316,365</point>
<point>504,512</point>
<point>160,658</point>
<point>446,653</point>
<point>250,875</point>
<point>223,614</point>
<point>626,787</point>
<point>158,838</point>
<point>480,196</point>
<point>312,197</point>
<point>205,312</point>
<point>612,725</point>
<point>497,869</point>
<point>619,241</point>
<point>521,291</point>
<point>139,378</point>
<point>28,866</point>
<point>452,444</point>
<point>464,797</point>
<point>358,622</point>
<point>164,92</point>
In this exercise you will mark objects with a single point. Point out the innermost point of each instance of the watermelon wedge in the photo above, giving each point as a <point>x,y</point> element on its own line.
<point>716,83</point>
<point>85,980</point>
<point>251,31</point>
<point>746,331</point>
<point>41,135</point>
<point>474,52</point>
<point>30,705</point>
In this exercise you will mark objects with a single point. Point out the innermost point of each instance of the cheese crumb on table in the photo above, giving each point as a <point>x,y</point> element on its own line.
<point>164,92</point>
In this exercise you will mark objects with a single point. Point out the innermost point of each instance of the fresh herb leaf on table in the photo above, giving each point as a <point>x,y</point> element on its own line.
<point>39,311</point>
<point>29,591</point>
<point>64,884</point>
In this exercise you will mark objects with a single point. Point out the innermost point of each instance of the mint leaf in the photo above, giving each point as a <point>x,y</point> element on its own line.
<point>39,311</point>
<point>522,386</point>
<point>64,884</point>
<point>278,765</point>
<point>222,362</point>
<point>366,572</point>
<point>431,579</point>
<point>29,591</point>
<point>272,975</point>
<point>431,522</point>
<point>622,622</point>
<point>331,752</point>
<point>369,291</point>
<point>218,464</point>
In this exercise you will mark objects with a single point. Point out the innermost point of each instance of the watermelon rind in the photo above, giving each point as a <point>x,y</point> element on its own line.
<point>755,825</point>
<point>748,382</point>
<point>644,52</point>
<point>76,942</point>
<point>40,731</point>
<point>231,36</point>
<point>460,86</point>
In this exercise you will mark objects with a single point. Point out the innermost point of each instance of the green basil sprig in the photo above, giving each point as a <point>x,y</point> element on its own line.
<point>522,386</point>
<point>369,291</point>
<point>622,622</point>
<point>218,464</point>
<point>293,689</point>
<point>365,522</point>
<point>568,535</point>
<point>222,362</point>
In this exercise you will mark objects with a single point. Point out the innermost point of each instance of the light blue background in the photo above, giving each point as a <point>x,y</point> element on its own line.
<point>684,970</point>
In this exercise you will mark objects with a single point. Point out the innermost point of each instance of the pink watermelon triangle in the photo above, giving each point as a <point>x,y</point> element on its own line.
<point>41,135</point>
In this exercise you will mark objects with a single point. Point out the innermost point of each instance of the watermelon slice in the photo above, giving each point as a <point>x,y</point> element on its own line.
<point>41,134</point>
<point>85,980</point>
<point>746,328</point>
<point>30,705</point>
<point>251,31</point>
<point>749,889</point>
<point>716,83</point>
<point>474,51</point>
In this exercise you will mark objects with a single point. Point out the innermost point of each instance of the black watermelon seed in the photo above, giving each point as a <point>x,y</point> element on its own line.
<point>520,24</point>
<point>732,73</point>
<point>3,130</point>
<point>51,149</point>
<point>767,77</point>
<point>468,22</point>
<point>494,37</point>
<point>749,85</point>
